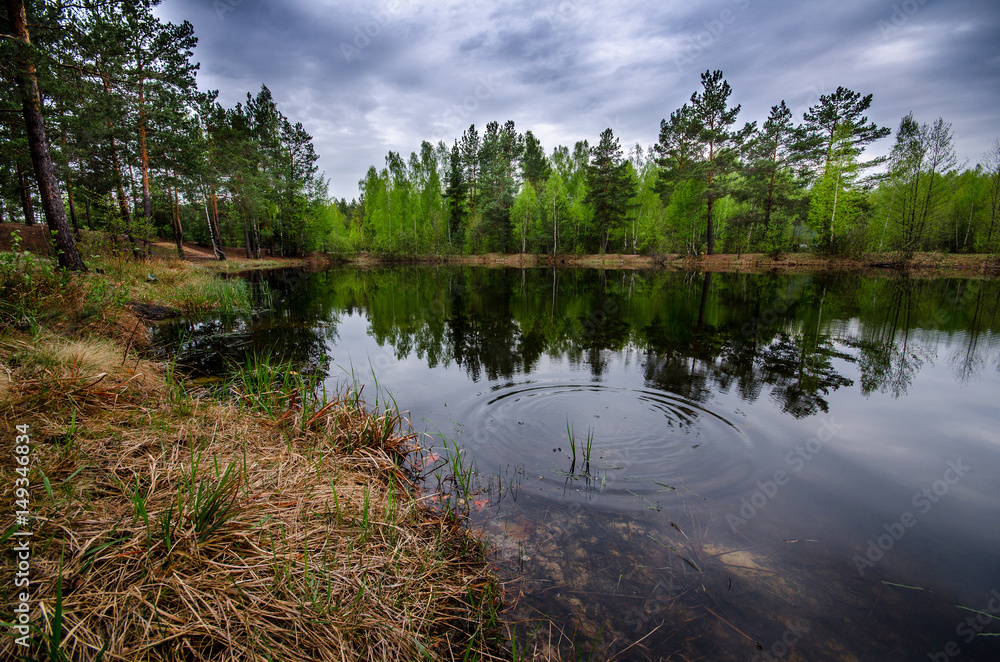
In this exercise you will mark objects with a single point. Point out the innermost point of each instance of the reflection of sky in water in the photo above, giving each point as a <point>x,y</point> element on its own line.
<point>885,450</point>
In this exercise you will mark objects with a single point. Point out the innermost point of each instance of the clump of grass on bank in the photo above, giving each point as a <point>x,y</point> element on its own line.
<point>169,526</point>
<point>173,283</point>
<point>34,295</point>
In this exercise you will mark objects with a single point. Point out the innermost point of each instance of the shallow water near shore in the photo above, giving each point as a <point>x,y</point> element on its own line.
<point>787,467</point>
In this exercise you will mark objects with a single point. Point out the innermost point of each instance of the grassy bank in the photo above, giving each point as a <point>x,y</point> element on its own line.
<point>166,524</point>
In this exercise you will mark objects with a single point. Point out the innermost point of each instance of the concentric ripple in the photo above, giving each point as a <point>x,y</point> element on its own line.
<point>643,440</point>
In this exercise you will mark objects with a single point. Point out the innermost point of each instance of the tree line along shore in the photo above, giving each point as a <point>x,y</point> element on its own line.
<point>109,132</point>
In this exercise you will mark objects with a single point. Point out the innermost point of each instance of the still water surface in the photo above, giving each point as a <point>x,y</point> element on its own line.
<point>781,467</point>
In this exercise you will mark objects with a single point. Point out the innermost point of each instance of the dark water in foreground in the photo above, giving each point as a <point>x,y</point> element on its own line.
<point>795,468</point>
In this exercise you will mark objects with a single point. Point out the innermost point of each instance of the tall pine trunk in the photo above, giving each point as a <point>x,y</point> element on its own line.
<point>143,230</point>
<point>711,227</point>
<point>48,188</point>
<point>123,203</point>
<point>246,239</point>
<point>147,208</point>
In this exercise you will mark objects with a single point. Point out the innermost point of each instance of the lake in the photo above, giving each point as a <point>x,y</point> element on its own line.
<point>684,465</point>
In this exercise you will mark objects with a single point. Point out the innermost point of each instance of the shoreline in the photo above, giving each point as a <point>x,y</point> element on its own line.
<point>920,265</point>
<point>165,523</point>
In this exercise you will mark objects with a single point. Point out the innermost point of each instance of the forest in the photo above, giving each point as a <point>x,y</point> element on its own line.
<point>104,128</point>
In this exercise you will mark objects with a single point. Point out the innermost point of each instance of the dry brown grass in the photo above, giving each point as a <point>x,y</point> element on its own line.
<point>181,528</point>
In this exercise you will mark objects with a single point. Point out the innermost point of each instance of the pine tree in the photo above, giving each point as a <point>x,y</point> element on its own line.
<point>499,156</point>
<point>677,150</point>
<point>718,145</point>
<point>534,165</point>
<point>48,186</point>
<point>769,183</point>
<point>470,148</point>
<point>455,195</point>
<point>297,175</point>
<point>823,120</point>
<point>609,186</point>
<point>160,77</point>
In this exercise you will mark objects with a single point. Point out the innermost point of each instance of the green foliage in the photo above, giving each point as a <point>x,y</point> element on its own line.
<point>213,502</point>
<point>526,219</point>
<point>26,281</point>
<point>102,295</point>
<point>456,197</point>
<point>835,203</point>
<point>611,186</point>
<point>683,227</point>
<point>228,296</point>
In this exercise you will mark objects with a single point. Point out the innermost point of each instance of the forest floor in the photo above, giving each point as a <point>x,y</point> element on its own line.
<point>920,265</point>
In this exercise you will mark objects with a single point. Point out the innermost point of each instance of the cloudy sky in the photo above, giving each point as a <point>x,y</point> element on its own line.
<point>366,78</point>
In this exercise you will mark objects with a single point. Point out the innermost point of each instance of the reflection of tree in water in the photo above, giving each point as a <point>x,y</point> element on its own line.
<point>969,360</point>
<point>697,333</point>
<point>499,323</point>
<point>797,366</point>
<point>888,367</point>
<point>799,375</point>
<point>885,357</point>
<point>484,340</point>
<point>802,373</point>
<point>678,373</point>
<point>889,356</point>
